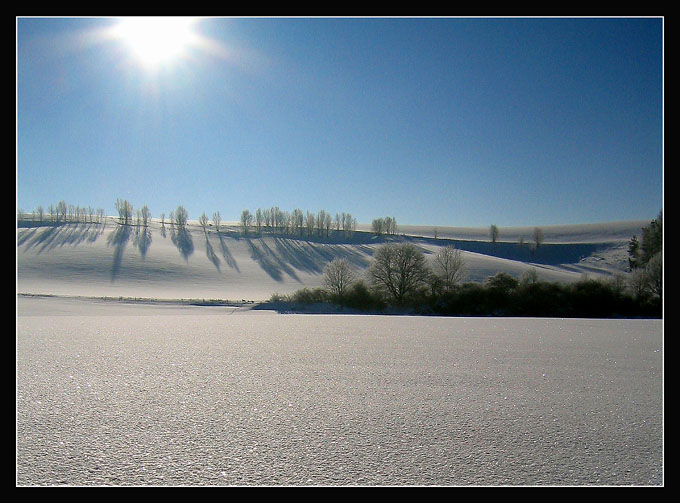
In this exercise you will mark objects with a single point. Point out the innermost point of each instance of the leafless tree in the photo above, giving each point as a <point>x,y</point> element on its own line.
<point>61,210</point>
<point>327,224</point>
<point>338,276</point>
<point>181,217</point>
<point>259,220</point>
<point>146,216</point>
<point>398,270</point>
<point>297,221</point>
<point>493,233</point>
<point>320,222</point>
<point>203,222</point>
<point>309,222</point>
<point>448,268</point>
<point>217,220</point>
<point>246,221</point>
<point>538,236</point>
<point>124,209</point>
<point>529,277</point>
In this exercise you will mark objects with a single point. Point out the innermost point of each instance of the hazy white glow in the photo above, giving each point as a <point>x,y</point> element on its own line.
<point>157,40</point>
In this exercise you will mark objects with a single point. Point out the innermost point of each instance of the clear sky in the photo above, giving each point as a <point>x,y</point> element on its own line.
<point>461,122</point>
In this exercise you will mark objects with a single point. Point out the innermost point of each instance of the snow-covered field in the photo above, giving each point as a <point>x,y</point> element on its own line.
<point>108,260</point>
<point>131,394</point>
<point>116,393</point>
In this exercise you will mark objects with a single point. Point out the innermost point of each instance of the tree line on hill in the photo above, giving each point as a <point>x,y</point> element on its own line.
<point>401,279</point>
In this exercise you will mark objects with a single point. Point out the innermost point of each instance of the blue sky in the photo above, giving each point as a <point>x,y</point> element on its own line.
<point>461,122</point>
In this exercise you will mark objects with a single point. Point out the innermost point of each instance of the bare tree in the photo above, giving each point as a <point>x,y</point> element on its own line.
<point>538,236</point>
<point>448,268</point>
<point>378,226</point>
<point>61,210</point>
<point>493,233</point>
<point>320,222</point>
<point>124,209</point>
<point>217,219</point>
<point>297,221</point>
<point>41,213</point>
<point>338,276</point>
<point>259,220</point>
<point>146,216</point>
<point>181,217</point>
<point>203,221</point>
<point>309,222</point>
<point>328,221</point>
<point>398,270</point>
<point>529,277</point>
<point>246,221</point>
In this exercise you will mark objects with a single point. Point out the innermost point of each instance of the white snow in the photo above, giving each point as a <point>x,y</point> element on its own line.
<point>105,260</point>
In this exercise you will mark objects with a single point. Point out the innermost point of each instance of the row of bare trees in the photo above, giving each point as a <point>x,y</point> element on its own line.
<point>127,215</point>
<point>297,222</point>
<point>63,213</point>
<point>387,225</point>
<point>537,236</point>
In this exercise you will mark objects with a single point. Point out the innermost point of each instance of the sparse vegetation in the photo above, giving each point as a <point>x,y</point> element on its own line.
<point>645,259</point>
<point>397,282</point>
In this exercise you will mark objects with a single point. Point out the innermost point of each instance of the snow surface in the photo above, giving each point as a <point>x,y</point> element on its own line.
<point>127,394</point>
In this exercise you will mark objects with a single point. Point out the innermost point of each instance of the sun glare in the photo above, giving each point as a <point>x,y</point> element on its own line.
<point>156,41</point>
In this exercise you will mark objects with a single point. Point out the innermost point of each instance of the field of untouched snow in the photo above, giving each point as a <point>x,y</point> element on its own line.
<point>110,260</point>
<point>131,394</point>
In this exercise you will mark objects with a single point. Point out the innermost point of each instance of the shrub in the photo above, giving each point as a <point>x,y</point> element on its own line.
<point>359,296</point>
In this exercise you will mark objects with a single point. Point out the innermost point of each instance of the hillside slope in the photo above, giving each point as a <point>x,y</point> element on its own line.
<point>110,260</point>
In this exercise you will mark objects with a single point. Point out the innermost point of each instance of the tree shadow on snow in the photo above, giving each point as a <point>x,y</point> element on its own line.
<point>46,238</point>
<point>143,240</point>
<point>269,261</point>
<point>287,256</point>
<point>210,253</point>
<point>118,239</point>
<point>181,238</point>
<point>228,257</point>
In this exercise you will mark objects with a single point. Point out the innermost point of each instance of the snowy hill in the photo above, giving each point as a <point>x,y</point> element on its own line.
<point>112,260</point>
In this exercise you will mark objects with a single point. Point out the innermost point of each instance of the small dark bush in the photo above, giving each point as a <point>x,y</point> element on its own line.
<point>360,297</point>
<point>309,296</point>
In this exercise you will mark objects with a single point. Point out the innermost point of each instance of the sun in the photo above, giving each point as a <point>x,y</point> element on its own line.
<point>156,41</point>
